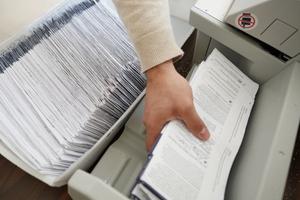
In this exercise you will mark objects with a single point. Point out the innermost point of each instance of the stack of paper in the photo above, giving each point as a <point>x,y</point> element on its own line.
<point>64,84</point>
<point>183,167</point>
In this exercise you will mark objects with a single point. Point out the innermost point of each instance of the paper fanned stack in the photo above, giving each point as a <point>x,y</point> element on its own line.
<point>64,84</point>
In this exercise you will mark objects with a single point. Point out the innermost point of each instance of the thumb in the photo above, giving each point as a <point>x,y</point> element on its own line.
<point>153,131</point>
<point>195,124</point>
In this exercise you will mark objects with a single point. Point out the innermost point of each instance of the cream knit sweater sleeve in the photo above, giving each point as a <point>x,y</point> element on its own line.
<point>149,27</point>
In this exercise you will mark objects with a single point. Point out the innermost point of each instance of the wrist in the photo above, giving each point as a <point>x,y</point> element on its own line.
<point>159,71</point>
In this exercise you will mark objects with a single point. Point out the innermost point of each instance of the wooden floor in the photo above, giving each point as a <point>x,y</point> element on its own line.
<point>15,184</point>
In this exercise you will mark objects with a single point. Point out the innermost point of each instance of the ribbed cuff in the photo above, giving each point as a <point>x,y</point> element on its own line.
<point>157,47</point>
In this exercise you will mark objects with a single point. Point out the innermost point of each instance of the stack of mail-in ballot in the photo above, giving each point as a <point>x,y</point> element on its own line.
<point>64,84</point>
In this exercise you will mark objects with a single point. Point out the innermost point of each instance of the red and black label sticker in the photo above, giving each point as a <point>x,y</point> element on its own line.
<point>246,21</point>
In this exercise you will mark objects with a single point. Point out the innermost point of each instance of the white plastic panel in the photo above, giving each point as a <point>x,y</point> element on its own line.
<point>262,165</point>
<point>85,186</point>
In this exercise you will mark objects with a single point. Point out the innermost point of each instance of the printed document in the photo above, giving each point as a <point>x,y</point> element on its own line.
<point>183,167</point>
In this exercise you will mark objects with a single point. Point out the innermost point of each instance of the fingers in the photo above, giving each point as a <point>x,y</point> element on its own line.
<point>153,130</point>
<point>191,120</point>
<point>152,135</point>
<point>195,124</point>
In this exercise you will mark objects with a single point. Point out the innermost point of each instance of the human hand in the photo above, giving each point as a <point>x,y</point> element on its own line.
<point>168,97</point>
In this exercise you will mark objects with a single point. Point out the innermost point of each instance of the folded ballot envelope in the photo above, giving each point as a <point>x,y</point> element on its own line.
<point>82,163</point>
<point>71,24</point>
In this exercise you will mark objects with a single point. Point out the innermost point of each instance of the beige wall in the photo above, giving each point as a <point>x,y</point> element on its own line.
<point>17,14</point>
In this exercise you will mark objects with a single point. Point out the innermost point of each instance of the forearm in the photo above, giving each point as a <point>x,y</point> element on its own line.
<point>168,95</point>
<point>149,27</point>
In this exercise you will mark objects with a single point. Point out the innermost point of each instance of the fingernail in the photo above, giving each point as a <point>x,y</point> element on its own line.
<point>204,134</point>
